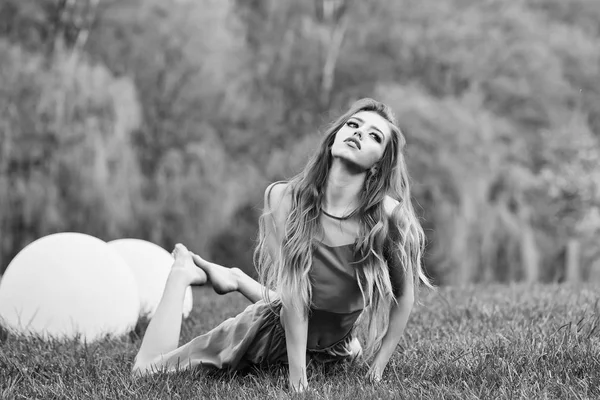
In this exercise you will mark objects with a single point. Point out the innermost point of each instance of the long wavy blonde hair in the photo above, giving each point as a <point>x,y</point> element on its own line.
<point>399,240</point>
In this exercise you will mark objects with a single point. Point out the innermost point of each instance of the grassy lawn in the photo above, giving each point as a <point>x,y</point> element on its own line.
<point>473,342</point>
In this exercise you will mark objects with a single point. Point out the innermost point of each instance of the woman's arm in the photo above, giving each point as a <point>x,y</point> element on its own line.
<point>295,324</point>
<point>294,321</point>
<point>403,283</point>
<point>399,314</point>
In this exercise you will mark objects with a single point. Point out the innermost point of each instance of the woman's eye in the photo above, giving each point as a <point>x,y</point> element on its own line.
<point>376,137</point>
<point>351,124</point>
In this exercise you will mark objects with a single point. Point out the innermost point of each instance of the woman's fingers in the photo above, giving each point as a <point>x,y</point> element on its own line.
<point>374,374</point>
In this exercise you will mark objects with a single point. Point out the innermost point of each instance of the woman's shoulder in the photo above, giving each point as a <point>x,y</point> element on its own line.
<point>278,196</point>
<point>389,205</point>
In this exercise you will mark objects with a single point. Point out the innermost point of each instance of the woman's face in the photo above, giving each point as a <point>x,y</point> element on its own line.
<point>362,140</point>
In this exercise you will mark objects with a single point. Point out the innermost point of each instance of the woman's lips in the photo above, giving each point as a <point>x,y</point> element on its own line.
<point>353,142</point>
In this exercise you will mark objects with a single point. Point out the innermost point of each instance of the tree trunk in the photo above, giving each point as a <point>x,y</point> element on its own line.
<point>334,13</point>
<point>530,257</point>
<point>572,261</point>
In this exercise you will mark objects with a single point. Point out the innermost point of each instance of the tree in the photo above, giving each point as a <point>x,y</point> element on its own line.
<point>68,161</point>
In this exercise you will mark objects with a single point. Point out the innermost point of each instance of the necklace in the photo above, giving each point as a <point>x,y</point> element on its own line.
<point>340,218</point>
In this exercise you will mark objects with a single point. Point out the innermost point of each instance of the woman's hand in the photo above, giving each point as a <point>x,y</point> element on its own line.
<point>300,385</point>
<point>375,372</point>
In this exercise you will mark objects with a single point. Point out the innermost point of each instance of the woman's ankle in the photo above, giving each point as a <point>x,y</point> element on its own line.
<point>178,278</point>
<point>237,275</point>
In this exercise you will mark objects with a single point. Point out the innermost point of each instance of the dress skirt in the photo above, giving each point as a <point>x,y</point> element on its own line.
<point>253,337</point>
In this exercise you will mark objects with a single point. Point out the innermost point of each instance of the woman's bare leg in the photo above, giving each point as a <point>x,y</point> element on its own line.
<point>225,280</point>
<point>162,334</point>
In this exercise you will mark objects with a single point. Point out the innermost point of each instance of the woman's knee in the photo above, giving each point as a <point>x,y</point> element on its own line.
<point>355,348</point>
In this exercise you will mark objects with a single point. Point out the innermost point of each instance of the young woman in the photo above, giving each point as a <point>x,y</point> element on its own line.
<point>339,257</point>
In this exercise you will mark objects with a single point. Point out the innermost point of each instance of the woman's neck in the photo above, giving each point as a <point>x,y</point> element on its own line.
<point>342,189</point>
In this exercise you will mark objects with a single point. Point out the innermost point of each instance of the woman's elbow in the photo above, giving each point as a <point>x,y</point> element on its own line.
<point>407,300</point>
<point>292,317</point>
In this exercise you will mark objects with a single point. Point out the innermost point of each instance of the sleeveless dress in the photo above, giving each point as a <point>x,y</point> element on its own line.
<point>256,335</point>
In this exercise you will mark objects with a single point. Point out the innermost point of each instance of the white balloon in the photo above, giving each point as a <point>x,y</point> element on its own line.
<point>66,285</point>
<point>151,265</point>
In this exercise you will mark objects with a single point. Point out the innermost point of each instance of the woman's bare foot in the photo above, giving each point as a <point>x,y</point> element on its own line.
<point>184,266</point>
<point>223,280</point>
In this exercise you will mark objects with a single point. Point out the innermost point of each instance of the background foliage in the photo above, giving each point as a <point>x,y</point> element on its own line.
<point>166,119</point>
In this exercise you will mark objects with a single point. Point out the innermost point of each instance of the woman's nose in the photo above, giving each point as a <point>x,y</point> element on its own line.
<point>359,133</point>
